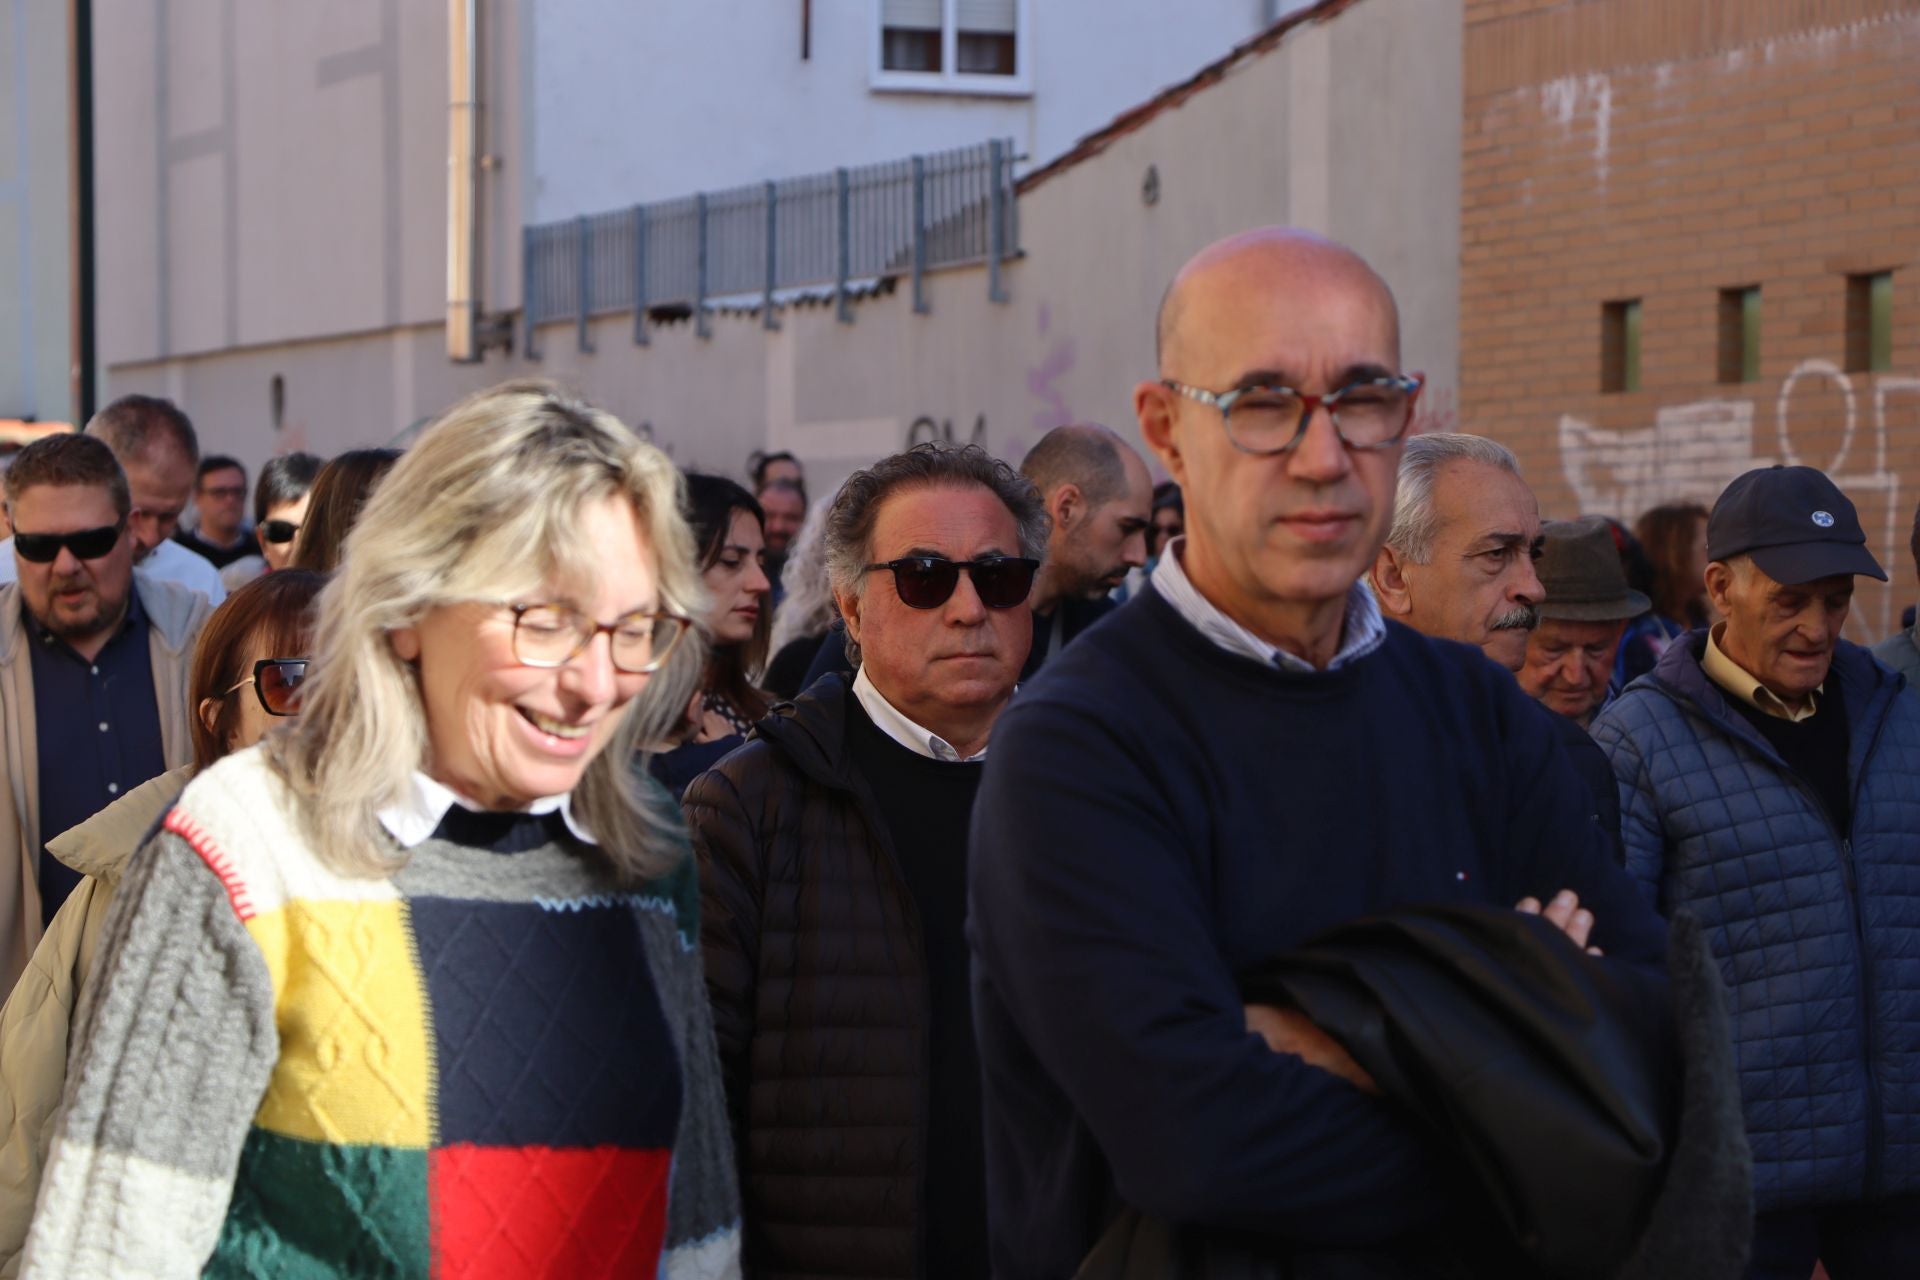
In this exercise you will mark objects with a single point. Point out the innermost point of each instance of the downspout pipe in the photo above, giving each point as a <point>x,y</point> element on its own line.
<point>463,181</point>
<point>84,372</point>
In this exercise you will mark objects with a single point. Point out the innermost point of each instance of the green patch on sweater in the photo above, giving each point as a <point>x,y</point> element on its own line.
<point>311,1209</point>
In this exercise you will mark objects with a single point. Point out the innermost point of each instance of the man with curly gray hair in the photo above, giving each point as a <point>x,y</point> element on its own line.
<point>833,884</point>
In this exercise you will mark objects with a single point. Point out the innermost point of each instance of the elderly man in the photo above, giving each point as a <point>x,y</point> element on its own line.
<point>833,883</point>
<point>1767,776</point>
<point>93,671</point>
<point>1570,655</point>
<point>1243,756</point>
<point>1901,650</point>
<point>159,452</point>
<point>1100,498</point>
<point>1459,564</point>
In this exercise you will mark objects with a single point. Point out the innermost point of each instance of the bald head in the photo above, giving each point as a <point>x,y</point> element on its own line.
<point>1268,266</point>
<point>1088,455</point>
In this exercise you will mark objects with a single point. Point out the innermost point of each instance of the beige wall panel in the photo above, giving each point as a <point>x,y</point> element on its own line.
<point>126,182</point>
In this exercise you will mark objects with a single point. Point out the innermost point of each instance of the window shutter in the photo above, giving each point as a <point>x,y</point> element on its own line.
<point>990,17</point>
<point>910,15</point>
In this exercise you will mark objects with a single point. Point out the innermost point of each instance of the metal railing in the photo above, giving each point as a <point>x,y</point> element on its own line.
<point>904,217</point>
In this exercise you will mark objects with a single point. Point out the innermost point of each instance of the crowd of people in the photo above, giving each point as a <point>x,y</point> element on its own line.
<point>517,856</point>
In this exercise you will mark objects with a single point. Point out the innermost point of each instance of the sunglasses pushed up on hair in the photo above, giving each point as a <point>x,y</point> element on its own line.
<point>927,582</point>
<point>86,544</point>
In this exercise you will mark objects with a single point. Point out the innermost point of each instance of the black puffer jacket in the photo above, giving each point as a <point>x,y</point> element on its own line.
<point>815,964</point>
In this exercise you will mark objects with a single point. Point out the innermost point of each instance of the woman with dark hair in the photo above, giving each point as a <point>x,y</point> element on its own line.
<point>247,670</point>
<point>342,488</point>
<point>1673,541</point>
<point>729,534</point>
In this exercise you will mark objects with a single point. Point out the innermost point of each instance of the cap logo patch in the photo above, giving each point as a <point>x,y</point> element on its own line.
<point>1824,519</point>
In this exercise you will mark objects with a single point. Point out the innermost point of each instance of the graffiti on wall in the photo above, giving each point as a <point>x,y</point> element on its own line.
<point>925,429</point>
<point>1692,450</point>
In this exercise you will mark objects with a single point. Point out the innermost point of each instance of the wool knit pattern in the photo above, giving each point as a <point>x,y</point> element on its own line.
<point>492,1062</point>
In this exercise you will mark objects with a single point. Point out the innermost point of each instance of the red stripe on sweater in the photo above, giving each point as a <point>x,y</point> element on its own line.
<point>201,843</point>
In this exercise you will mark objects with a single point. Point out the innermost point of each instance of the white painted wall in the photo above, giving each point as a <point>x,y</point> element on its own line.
<point>642,101</point>
<point>35,213</point>
<point>1378,169</point>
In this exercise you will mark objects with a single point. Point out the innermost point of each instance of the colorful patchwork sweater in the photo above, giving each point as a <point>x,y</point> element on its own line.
<point>493,1062</point>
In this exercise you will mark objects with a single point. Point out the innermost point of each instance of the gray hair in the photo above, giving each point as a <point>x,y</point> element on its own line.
<point>806,607</point>
<point>931,465</point>
<point>1414,521</point>
<point>1086,454</point>
<point>136,427</point>
<point>487,504</point>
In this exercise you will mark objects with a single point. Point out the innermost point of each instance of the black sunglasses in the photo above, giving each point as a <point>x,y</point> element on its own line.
<point>87,544</point>
<point>279,531</point>
<point>276,681</point>
<point>927,582</point>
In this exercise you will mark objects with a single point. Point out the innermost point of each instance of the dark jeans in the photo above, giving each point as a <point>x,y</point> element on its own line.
<point>1876,1241</point>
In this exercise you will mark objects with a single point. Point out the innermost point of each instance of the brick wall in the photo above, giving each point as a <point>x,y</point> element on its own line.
<point>1665,150</point>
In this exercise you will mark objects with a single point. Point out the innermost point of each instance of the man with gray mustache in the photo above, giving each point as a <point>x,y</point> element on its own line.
<point>1459,565</point>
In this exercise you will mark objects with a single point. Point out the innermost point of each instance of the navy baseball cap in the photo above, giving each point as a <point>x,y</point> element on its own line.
<point>1794,522</point>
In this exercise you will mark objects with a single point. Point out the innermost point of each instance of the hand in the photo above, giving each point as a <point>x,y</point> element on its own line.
<point>1290,1031</point>
<point>1566,914</point>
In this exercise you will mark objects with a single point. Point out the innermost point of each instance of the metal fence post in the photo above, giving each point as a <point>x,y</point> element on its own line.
<point>700,269</point>
<point>996,219</point>
<point>640,338</point>
<point>529,276</point>
<point>843,305</point>
<point>920,236</point>
<point>767,317</point>
<point>584,241</point>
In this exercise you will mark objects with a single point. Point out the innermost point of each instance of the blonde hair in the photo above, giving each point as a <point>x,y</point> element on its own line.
<point>486,505</point>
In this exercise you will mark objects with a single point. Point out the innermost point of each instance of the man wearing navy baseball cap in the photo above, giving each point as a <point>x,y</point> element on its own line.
<point>1769,779</point>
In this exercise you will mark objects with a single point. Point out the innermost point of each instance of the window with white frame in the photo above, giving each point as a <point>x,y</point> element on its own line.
<point>952,45</point>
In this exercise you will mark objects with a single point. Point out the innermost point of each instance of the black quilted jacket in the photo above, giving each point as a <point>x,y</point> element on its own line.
<point>815,967</point>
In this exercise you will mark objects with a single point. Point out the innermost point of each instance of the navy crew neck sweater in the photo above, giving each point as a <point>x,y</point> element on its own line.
<point>1160,816</point>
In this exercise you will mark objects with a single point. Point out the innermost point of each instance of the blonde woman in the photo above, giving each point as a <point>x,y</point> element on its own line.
<point>413,988</point>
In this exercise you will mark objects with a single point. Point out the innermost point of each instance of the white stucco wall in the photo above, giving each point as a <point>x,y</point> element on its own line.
<point>636,102</point>
<point>1278,140</point>
<point>35,213</point>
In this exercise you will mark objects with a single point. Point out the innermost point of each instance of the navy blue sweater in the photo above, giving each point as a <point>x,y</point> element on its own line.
<point>1158,817</point>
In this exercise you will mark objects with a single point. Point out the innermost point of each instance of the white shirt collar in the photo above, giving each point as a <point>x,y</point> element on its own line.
<point>417,814</point>
<point>918,739</point>
<point>1362,628</point>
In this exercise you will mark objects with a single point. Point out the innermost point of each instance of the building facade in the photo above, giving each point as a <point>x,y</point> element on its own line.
<point>1691,246</point>
<point>274,230</point>
<point>36,214</point>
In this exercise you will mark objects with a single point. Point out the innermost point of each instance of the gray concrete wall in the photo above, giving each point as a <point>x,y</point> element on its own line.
<point>35,213</point>
<point>1351,127</point>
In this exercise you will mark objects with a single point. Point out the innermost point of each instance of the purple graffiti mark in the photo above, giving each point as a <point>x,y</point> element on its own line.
<point>1057,363</point>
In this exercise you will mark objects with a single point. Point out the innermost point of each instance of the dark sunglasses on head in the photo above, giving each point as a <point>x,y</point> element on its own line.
<point>276,681</point>
<point>87,544</point>
<point>279,531</point>
<point>927,582</point>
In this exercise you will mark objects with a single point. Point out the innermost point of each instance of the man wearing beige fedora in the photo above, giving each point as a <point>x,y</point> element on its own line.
<point>1584,612</point>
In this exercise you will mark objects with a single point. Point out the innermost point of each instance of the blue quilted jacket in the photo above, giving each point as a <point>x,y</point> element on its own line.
<point>1817,931</point>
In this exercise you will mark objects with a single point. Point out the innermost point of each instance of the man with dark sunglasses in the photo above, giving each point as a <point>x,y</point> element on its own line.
<point>158,452</point>
<point>1244,755</point>
<point>833,884</point>
<point>93,671</point>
